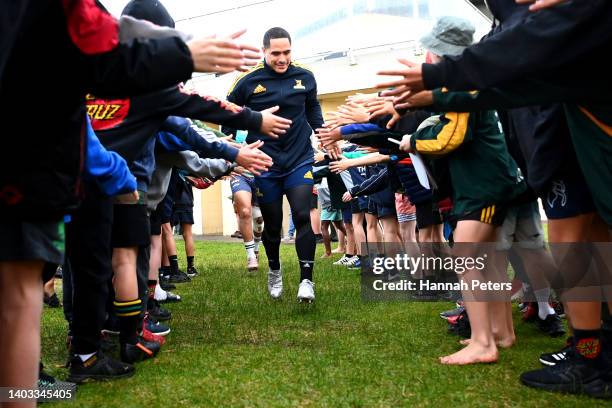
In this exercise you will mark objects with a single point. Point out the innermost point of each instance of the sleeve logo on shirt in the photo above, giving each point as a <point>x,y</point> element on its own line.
<point>259,89</point>
<point>298,84</point>
<point>308,175</point>
<point>106,114</point>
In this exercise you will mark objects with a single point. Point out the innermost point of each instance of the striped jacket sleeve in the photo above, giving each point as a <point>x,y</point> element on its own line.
<point>443,138</point>
<point>374,184</point>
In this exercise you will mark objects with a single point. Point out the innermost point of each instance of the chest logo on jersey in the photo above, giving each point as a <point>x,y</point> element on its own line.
<point>259,89</point>
<point>106,114</point>
<point>298,84</point>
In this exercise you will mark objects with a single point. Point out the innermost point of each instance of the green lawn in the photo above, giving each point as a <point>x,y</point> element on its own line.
<point>232,346</point>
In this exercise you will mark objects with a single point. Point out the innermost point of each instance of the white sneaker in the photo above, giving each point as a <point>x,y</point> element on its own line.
<point>342,261</point>
<point>306,291</point>
<point>252,264</point>
<point>351,261</point>
<point>275,283</point>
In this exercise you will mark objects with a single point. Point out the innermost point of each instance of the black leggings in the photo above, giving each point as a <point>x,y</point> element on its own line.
<point>305,242</point>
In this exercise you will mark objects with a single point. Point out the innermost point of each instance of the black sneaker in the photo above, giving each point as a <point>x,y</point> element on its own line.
<point>180,277</point>
<point>108,344</point>
<point>559,309</point>
<point>552,325</point>
<point>191,272</point>
<point>165,285</point>
<point>164,273</point>
<point>142,350</point>
<point>574,376</point>
<point>460,325</point>
<point>52,301</point>
<point>453,312</point>
<point>551,359</point>
<point>98,367</point>
<point>156,311</point>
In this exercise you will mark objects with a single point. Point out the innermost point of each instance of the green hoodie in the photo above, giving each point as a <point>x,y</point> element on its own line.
<point>589,119</point>
<point>482,172</point>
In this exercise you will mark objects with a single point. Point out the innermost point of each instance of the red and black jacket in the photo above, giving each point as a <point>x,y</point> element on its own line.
<point>125,125</point>
<point>52,53</point>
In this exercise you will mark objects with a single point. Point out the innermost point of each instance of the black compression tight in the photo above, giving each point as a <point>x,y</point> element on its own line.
<point>305,242</point>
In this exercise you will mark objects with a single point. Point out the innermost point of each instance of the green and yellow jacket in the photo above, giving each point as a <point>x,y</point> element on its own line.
<point>589,119</point>
<point>482,172</point>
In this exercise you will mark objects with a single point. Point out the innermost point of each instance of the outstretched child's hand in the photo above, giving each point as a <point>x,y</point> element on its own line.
<point>405,145</point>
<point>540,4</point>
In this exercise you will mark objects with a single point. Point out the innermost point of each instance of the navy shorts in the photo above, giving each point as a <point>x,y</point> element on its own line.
<point>182,217</point>
<point>347,215</point>
<point>359,205</point>
<point>166,210</point>
<point>272,185</point>
<point>381,210</point>
<point>244,183</point>
<point>567,196</point>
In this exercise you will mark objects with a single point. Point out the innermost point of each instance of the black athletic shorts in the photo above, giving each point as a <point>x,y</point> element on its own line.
<point>492,215</point>
<point>155,221</point>
<point>131,227</point>
<point>36,241</point>
<point>427,214</point>
<point>182,216</point>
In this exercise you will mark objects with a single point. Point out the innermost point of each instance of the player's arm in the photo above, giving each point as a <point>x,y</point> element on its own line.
<point>314,114</point>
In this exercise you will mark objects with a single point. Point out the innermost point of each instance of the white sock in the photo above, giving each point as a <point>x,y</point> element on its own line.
<point>544,308</point>
<point>85,357</point>
<point>250,249</point>
<point>160,294</point>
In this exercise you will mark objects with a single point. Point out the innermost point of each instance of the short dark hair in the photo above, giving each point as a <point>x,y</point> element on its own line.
<point>274,33</point>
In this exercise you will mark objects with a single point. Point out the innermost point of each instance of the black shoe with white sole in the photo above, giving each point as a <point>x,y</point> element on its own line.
<point>575,375</point>
<point>98,367</point>
<point>552,325</point>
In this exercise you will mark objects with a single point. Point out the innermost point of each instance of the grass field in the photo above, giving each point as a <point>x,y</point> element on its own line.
<point>231,346</point>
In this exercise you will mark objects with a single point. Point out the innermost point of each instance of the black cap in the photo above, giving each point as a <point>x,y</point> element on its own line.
<point>149,10</point>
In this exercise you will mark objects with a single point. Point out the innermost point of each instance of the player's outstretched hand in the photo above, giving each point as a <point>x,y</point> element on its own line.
<point>273,125</point>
